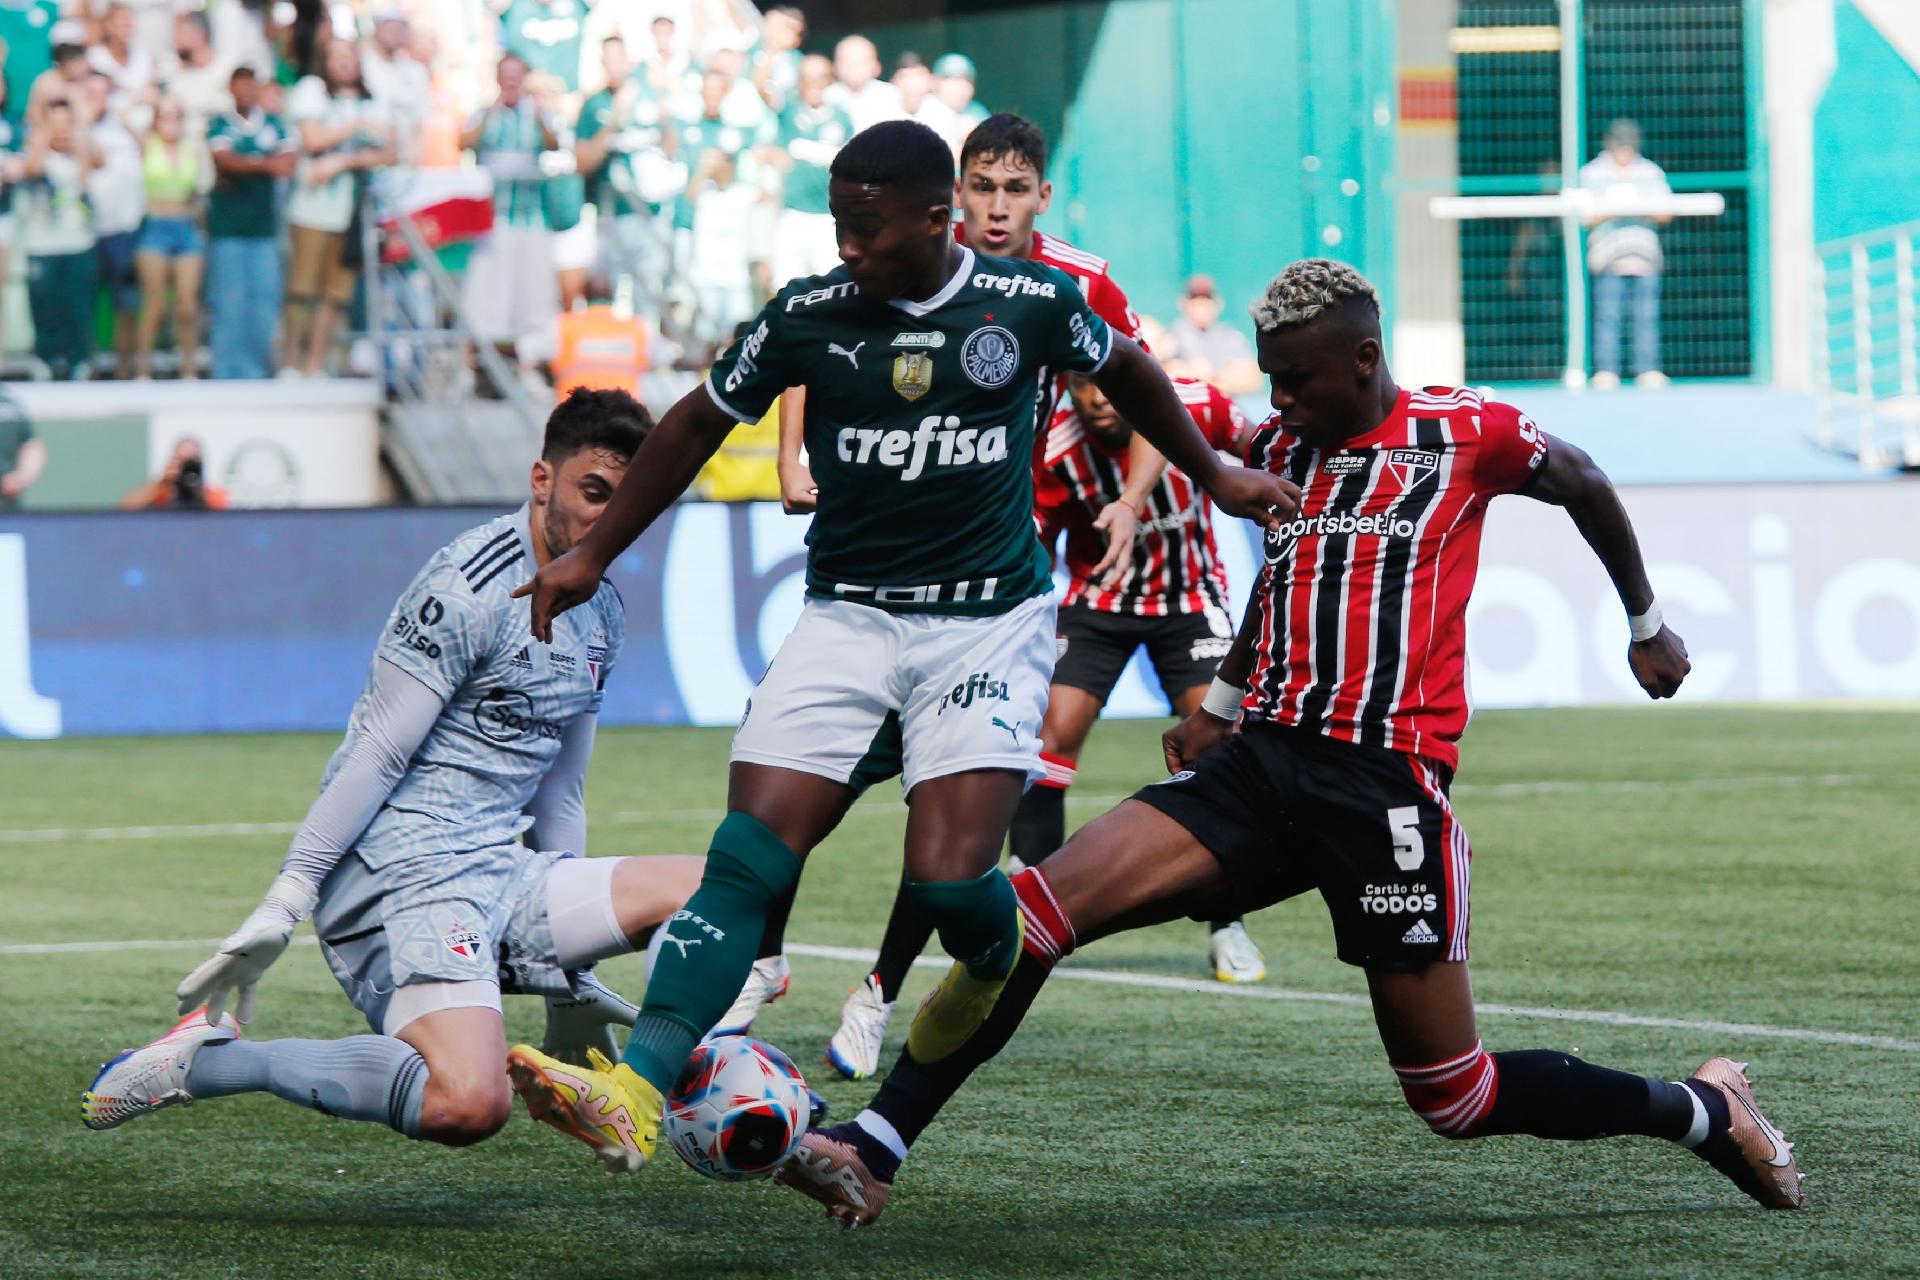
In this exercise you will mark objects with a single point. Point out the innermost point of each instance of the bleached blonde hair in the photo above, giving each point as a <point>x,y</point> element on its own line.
<point>1306,289</point>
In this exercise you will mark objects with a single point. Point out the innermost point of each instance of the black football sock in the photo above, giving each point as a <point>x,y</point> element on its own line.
<point>908,933</point>
<point>1555,1095</point>
<point>773,937</point>
<point>1215,926</point>
<point>914,1092</point>
<point>1039,824</point>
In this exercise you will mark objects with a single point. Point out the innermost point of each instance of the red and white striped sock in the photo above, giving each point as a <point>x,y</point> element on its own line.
<point>1049,936</point>
<point>1060,771</point>
<point>1454,1097</point>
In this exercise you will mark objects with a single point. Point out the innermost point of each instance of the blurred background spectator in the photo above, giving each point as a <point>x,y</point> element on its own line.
<point>858,88</point>
<point>1199,346</point>
<point>198,80</point>
<point>26,51</point>
<point>23,457</point>
<point>776,57</point>
<point>130,64</point>
<point>343,134</point>
<point>511,284</point>
<point>600,344</point>
<point>117,195</point>
<point>173,250</point>
<point>180,486</point>
<point>954,78</point>
<point>251,151</point>
<point>1624,259</point>
<point>56,234</point>
<point>805,137</point>
<point>397,80</point>
<point>546,36</point>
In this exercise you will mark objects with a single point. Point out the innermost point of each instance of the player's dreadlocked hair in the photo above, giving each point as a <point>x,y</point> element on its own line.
<point>590,419</point>
<point>1006,134</point>
<point>902,154</point>
<point>1311,286</point>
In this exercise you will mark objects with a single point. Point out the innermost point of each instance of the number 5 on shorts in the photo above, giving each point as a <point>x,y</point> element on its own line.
<point>1409,847</point>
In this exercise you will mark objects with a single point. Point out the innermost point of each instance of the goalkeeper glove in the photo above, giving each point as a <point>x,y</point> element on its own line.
<point>249,951</point>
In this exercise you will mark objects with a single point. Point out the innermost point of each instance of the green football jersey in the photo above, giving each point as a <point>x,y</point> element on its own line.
<point>920,426</point>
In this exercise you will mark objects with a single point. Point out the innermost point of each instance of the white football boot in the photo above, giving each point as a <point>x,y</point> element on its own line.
<point>766,982</point>
<point>1235,956</point>
<point>144,1080</point>
<point>854,1050</point>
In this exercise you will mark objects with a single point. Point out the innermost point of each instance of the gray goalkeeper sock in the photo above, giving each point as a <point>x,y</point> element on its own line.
<point>373,1078</point>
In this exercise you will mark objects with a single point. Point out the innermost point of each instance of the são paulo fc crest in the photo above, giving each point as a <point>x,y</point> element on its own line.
<point>989,356</point>
<point>463,941</point>
<point>913,374</point>
<point>1411,466</point>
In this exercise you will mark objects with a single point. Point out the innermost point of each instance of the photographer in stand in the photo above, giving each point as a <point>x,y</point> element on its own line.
<point>181,486</point>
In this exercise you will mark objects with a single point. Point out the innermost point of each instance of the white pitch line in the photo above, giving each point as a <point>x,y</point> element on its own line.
<point>1543,787</point>
<point>1159,982</point>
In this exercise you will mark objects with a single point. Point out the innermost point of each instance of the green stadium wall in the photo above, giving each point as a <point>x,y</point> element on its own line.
<point>1187,135</point>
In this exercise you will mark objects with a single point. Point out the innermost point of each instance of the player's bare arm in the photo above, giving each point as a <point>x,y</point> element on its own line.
<point>1139,389</point>
<point>798,493</point>
<point>673,453</point>
<point>1572,480</point>
<point>1211,724</point>
<point>1120,521</point>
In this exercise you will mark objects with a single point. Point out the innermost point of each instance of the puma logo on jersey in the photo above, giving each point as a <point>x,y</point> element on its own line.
<point>940,439</point>
<point>853,356</point>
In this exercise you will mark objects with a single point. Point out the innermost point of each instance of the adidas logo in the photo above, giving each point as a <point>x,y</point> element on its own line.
<point>1420,933</point>
<point>523,659</point>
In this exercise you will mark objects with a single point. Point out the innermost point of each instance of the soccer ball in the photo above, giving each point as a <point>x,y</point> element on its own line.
<point>738,1110</point>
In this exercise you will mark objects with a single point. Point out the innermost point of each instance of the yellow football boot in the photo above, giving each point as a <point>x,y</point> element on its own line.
<point>605,1105</point>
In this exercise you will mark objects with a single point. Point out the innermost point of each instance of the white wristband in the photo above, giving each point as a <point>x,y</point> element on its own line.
<point>1223,700</point>
<point>1646,625</point>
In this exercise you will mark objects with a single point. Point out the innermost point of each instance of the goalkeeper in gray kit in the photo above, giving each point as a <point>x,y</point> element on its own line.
<point>428,902</point>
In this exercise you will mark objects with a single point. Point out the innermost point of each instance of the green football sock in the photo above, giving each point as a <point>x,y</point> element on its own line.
<point>976,921</point>
<point>710,946</point>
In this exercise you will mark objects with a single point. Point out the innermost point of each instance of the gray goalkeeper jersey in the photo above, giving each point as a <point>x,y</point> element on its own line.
<point>508,697</point>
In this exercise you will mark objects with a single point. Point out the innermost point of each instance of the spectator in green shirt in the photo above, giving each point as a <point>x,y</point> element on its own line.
<point>26,49</point>
<point>620,144</point>
<point>803,143</point>
<point>511,286</point>
<point>545,35</point>
<point>252,152</point>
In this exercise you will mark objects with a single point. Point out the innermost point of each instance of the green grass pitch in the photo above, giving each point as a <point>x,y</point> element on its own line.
<point>1749,866</point>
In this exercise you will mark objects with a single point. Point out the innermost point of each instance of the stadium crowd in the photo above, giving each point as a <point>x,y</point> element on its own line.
<point>161,160</point>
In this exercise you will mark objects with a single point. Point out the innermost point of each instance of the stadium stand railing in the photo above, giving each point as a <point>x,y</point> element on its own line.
<point>445,443</point>
<point>1866,346</point>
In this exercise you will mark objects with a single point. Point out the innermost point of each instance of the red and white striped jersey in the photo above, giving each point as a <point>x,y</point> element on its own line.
<point>1089,271</point>
<point>1362,626</point>
<point>1176,566</point>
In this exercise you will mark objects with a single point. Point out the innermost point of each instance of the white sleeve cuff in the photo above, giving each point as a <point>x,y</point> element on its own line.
<point>713,393</point>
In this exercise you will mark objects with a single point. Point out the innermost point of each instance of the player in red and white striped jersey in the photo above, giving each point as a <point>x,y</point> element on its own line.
<point>1171,600</point>
<point>1351,670</point>
<point>1085,466</point>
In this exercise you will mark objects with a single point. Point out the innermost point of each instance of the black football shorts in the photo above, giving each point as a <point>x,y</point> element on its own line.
<point>1093,648</point>
<point>1287,809</point>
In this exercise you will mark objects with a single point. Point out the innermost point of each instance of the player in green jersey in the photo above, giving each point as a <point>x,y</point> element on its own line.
<point>929,619</point>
